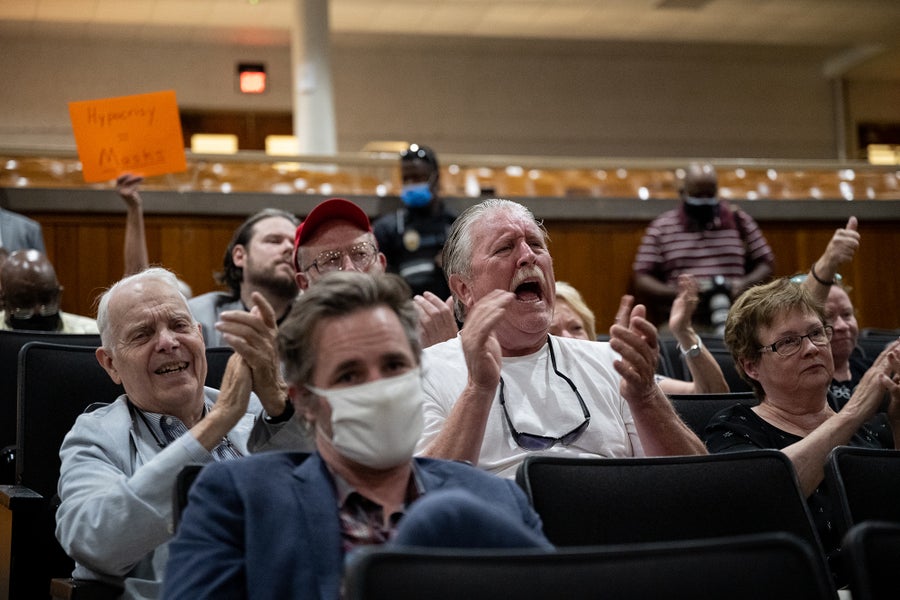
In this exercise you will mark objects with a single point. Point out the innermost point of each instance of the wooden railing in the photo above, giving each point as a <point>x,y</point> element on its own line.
<point>476,176</point>
<point>591,207</point>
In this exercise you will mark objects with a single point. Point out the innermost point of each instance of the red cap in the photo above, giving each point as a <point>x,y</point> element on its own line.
<point>333,209</point>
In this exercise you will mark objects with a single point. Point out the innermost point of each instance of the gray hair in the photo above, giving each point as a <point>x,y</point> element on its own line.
<point>457,254</point>
<point>338,294</point>
<point>758,307</point>
<point>150,274</point>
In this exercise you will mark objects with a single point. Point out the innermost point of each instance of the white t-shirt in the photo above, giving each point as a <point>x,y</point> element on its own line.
<point>538,401</point>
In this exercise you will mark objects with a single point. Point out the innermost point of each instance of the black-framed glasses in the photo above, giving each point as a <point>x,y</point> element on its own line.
<point>361,255</point>
<point>788,345</point>
<point>533,441</point>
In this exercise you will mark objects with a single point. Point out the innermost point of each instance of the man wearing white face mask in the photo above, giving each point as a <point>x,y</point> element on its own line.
<point>413,236</point>
<point>279,525</point>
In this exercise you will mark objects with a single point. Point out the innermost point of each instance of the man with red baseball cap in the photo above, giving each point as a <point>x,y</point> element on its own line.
<point>335,236</point>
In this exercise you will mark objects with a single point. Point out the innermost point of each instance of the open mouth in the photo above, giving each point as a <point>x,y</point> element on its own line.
<point>529,291</point>
<point>171,368</point>
<point>527,284</point>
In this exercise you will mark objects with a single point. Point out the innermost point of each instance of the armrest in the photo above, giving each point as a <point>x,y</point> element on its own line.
<point>83,589</point>
<point>29,553</point>
<point>19,497</point>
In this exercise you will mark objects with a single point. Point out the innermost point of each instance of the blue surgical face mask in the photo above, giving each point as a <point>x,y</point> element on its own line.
<point>416,195</point>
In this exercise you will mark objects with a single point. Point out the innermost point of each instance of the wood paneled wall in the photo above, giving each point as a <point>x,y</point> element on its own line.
<point>594,256</point>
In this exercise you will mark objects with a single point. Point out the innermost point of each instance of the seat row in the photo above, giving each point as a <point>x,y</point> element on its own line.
<point>596,510</point>
<point>732,526</point>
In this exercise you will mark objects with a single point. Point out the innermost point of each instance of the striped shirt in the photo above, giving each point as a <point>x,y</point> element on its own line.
<point>730,248</point>
<point>166,429</point>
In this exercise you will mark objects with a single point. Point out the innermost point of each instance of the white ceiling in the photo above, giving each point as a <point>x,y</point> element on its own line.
<point>864,34</point>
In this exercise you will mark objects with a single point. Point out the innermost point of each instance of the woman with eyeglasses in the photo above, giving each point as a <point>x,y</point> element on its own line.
<point>778,336</point>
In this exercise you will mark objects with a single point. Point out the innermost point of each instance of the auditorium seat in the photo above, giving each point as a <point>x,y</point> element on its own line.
<point>545,184</point>
<point>11,341</point>
<point>773,566</point>
<point>866,484</point>
<point>872,550</point>
<point>696,410</point>
<point>57,382</point>
<point>587,501</point>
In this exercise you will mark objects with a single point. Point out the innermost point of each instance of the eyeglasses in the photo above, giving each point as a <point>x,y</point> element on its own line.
<point>361,255</point>
<point>532,441</point>
<point>786,346</point>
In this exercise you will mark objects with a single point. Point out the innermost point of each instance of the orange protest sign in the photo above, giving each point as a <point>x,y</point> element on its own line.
<point>139,134</point>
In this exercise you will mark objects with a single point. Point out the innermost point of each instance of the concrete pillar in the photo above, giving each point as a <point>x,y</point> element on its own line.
<point>314,124</point>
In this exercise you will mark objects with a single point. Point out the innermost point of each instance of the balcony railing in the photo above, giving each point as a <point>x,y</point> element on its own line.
<point>377,175</point>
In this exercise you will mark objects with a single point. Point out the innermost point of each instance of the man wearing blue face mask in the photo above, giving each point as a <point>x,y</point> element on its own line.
<point>721,246</point>
<point>280,525</point>
<point>412,237</point>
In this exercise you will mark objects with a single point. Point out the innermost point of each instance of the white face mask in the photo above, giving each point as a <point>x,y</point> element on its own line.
<point>377,424</point>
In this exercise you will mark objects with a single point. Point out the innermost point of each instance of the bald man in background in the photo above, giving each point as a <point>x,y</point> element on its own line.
<point>30,295</point>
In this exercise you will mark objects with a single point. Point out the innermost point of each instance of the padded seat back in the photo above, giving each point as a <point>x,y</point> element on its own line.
<point>696,410</point>
<point>10,344</point>
<point>872,552</point>
<point>774,566</point>
<point>865,483</point>
<point>589,501</point>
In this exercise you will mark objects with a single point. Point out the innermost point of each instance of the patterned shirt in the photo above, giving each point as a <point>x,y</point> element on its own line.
<point>672,245</point>
<point>166,429</point>
<point>362,520</point>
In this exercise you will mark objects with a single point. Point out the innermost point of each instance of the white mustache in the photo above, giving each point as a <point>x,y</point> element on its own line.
<point>526,273</point>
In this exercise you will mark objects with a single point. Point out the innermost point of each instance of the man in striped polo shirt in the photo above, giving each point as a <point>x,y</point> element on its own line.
<point>720,245</point>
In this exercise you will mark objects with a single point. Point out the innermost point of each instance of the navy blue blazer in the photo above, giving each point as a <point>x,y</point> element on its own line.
<point>267,526</point>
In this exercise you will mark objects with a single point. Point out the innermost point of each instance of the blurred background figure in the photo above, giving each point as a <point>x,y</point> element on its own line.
<point>19,233</point>
<point>412,237</point>
<point>4,254</point>
<point>827,287</point>
<point>721,246</point>
<point>135,252</point>
<point>573,318</point>
<point>30,295</point>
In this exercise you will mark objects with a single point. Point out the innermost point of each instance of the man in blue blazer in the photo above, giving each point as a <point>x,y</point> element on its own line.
<point>20,233</point>
<point>281,525</point>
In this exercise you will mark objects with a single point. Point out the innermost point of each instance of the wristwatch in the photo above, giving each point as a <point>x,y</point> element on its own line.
<point>693,351</point>
<point>286,414</point>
